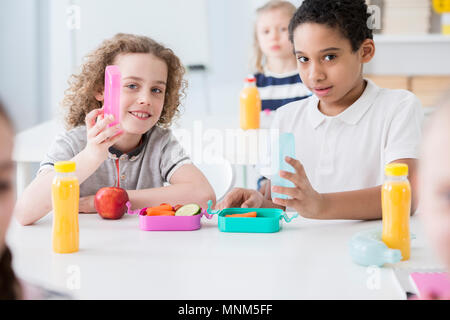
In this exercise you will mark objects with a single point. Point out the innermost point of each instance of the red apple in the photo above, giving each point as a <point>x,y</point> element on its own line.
<point>110,202</point>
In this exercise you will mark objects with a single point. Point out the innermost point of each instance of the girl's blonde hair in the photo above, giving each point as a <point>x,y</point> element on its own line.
<point>80,98</point>
<point>257,63</point>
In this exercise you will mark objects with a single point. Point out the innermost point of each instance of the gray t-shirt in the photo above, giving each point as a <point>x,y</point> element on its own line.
<point>150,165</point>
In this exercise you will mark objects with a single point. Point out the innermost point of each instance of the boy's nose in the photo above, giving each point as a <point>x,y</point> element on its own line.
<point>316,73</point>
<point>144,99</point>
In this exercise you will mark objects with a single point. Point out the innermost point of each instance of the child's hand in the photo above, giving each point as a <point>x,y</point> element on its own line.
<point>263,189</point>
<point>241,198</point>
<point>99,136</point>
<point>304,199</point>
<point>87,205</point>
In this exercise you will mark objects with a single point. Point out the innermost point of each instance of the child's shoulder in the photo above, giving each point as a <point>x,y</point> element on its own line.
<point>160,136</point>
<point>297,107</point>
<point>397,94</point>
<point>75,137</point>
<point>396,98</point>
<point>294,114</point>
<point>160,133</point>
<point>75,134</point>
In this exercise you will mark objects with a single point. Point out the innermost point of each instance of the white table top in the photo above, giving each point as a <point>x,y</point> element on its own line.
<point>307,259</point>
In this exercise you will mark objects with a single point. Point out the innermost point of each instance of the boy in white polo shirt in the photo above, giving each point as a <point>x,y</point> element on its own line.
<point>349,129</point>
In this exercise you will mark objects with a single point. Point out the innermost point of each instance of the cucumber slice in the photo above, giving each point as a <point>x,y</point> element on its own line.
<point>189,210</point>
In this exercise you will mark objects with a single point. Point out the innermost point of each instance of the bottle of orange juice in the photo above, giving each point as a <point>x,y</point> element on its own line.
<point>250,105</point>
<point>396,207</point>
<point>65,199</point>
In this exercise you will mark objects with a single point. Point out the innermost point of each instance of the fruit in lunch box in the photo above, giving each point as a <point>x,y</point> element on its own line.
<point>188,210</point>
<point>162,207</point>
<point>242,215</point>
<point>110,202</point>
<point>161,213</point>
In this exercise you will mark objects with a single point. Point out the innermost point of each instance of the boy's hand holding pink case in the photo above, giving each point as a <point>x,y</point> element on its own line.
<point>112,93</point>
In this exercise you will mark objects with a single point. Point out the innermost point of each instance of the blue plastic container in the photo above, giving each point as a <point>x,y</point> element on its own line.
<point>287,149</point>
<point>367,249</point>
<point>281,146</point>
<point>267,220</point>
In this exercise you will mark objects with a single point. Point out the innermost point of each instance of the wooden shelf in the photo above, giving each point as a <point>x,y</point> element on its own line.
<point>405,38</point>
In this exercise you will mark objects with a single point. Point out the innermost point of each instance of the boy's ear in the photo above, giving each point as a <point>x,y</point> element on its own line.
<point>99,96</point>
<point>367,50</point>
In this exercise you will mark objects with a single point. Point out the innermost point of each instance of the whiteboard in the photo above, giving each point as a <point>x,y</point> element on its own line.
<point>181,25</point>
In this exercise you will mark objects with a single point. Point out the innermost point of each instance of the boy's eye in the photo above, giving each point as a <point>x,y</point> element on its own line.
<point>330,57</point>
<point>157,90</point>
<point>132,86</point>
<point>302,59</point>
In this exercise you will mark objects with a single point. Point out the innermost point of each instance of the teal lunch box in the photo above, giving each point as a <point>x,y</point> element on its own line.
<point>267,220</point>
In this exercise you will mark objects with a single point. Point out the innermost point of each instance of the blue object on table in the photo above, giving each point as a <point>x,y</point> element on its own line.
<point>286,149</point>
<point>268,220</point>
<point>367,249</point>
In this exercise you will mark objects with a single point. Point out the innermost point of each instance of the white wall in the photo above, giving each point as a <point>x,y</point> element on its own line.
<point>178,24</point>
<point>19,54</point>
<point>421,55</point>
<point>37,56</point>
<point>60,53</point>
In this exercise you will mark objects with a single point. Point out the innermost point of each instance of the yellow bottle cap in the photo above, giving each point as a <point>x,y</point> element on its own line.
<point>441,6</point>
<point>396,169</point>
<point>65,166</point>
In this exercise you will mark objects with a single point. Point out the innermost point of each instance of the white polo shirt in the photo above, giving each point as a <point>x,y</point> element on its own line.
<point>349,151</point>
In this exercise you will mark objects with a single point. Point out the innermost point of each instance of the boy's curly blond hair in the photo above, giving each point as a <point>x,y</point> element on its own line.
<point>79,98</point>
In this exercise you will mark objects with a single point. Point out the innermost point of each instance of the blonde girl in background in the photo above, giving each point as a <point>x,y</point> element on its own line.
<point>140,154</point>
<point>274,62</point>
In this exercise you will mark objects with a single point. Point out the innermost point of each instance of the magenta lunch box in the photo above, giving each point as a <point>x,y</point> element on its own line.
<point>168,223</point>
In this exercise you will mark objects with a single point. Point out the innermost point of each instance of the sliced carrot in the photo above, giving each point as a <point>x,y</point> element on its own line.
<point>164,207</point>
<point>242,215</point>
<point>161,213</point>
<point>178,206</point>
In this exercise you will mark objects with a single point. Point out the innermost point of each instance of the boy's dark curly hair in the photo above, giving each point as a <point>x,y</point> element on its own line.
<point>350,16</point>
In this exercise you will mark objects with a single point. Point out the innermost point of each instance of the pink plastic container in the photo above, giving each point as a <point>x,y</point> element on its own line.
<point>168,223</point>
<point>112,93</point>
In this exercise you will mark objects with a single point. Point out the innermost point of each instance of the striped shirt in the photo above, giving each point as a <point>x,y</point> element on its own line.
<point>277,90</point>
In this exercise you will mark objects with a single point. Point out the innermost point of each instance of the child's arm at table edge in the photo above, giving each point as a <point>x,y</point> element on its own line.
<point>365,204</point>
<point>36,201</point>
<point>187,185</point>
